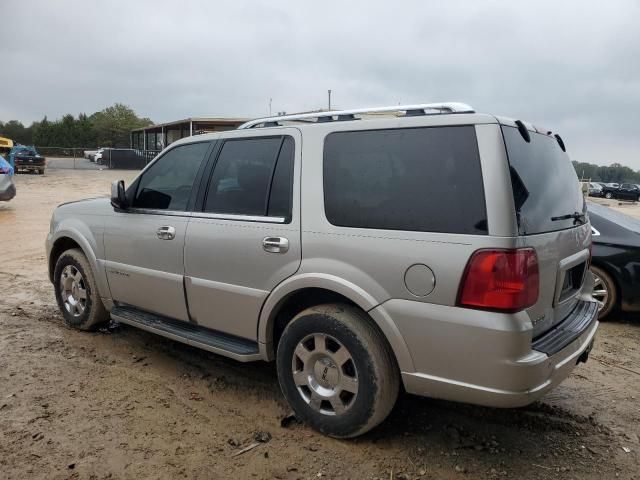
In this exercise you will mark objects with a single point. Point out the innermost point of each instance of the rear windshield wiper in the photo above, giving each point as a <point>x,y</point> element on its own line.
<point>575,215</point>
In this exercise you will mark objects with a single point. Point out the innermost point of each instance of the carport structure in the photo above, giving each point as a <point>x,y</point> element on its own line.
<point>156,137</point>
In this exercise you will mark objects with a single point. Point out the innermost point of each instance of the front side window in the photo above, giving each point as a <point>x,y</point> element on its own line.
<point>167,184</point>
<point>253,177</point>
<point>413,179</point>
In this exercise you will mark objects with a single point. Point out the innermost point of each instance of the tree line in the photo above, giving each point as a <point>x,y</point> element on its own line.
<point>614,173</point>
<point>107,128</point>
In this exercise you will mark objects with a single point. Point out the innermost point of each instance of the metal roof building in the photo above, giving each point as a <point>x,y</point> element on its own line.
<point>156,137</point>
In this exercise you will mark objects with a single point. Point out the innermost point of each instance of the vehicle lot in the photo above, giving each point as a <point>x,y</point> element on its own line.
<point>125,403</point>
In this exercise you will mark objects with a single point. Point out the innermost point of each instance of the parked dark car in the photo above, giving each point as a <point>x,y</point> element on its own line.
<point>27,159</point>
<point>616,259</point>
<point>595,189</point>
<point>626,191</point>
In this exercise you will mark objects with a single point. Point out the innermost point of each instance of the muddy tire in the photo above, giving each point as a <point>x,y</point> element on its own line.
<point>336,370</point>
<point>77,293</point>
<point>604,291</point>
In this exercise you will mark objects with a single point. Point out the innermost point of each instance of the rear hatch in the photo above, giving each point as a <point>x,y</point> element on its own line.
<point>551,217</point>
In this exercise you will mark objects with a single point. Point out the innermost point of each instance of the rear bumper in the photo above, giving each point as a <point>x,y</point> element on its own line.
<point>485,358</point>
<point>30,166</point>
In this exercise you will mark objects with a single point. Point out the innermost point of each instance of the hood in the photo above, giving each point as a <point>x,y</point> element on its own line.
<point>613,227</point>
<point>93,206</point>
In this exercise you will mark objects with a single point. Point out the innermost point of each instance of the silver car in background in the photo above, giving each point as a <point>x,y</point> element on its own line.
<point>7,187</point>
<point>427,246</point>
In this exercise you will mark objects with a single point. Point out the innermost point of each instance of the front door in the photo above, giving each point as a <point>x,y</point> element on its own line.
<point>246,237</point>
<point>144,244</point>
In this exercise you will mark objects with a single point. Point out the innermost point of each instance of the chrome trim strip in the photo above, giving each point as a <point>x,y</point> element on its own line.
<point>444,107</point>
<point>151,211</point>
<point>242,218</point>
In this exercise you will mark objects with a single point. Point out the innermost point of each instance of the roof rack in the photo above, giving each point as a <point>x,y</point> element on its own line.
<point>409,110</point>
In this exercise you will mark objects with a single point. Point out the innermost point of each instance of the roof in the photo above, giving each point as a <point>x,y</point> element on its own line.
<point>209,120</point>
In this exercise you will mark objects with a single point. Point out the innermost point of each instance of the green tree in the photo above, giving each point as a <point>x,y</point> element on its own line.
<point>42,133</point>
<point>614,173</point>
<point>17,132</point>
<point>113,125</point>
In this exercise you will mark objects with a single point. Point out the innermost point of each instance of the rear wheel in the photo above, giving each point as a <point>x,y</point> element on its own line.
<point>336,370</point>
<point>76,291</point>
<point>608,195</point>
<point>604,292</point>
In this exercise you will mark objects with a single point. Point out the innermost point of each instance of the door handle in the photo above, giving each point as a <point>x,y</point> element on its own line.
<point>275,244</point>
<point>166,233</point>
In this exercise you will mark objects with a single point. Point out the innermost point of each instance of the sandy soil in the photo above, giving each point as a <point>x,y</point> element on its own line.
<point>127,404</point>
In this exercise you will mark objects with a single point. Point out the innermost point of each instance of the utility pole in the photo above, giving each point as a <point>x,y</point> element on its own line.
<point>270,100</point>
<point>329,92</point>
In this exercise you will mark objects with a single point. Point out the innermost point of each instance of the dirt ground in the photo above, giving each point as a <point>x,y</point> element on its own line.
<point>124,403</point>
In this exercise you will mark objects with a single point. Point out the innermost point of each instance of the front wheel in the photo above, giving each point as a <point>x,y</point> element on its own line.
<point>336,370</point>
<point>608,195</point>
<point>77,293</point>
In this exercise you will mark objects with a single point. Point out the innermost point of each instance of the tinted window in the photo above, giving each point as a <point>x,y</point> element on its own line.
<point>421,179</point>
<point>544,182</point>
<point>244,174</point>
<point>282,184</point>
<point>167,184</point>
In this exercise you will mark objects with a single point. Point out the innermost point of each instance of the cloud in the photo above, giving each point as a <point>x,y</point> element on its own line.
<point>569,66</point>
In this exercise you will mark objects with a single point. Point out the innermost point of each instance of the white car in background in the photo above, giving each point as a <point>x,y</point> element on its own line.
<point>98,155</point>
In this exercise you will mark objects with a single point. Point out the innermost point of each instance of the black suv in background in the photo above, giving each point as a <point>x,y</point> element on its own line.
<point>626,191</point>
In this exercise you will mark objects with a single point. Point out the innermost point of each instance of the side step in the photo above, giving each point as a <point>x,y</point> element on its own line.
<point>231,346</point>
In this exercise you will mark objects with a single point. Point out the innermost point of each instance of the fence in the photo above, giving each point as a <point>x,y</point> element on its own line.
<point>85,158</point>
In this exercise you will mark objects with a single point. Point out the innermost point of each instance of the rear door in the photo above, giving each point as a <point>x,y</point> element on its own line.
<point>246,237</point>
<point>551,217</point>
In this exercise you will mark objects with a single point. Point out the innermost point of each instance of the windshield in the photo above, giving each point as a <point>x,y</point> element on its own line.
<point>546,190</point>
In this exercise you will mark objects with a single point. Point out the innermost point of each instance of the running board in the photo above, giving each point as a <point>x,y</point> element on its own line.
<point>231,346</point>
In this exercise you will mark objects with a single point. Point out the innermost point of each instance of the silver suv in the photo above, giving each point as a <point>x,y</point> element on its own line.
<point>426,246</point>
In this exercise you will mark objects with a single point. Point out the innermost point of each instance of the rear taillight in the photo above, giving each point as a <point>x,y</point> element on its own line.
<point>501,280</point>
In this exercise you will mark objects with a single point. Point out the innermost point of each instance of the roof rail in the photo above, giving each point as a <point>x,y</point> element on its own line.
<point>409,110</point>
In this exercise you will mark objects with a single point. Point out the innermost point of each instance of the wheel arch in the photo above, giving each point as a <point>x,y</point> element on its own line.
<point>306,290</point>
<point>70,237</point>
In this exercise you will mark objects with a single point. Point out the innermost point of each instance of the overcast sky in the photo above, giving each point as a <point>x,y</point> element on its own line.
<point>571,67</point>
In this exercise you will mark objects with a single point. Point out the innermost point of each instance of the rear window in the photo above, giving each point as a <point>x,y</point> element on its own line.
<point>415,179</point>
<point>544,182</point>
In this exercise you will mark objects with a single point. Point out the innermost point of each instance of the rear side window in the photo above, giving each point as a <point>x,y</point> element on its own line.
<point>546,190</point>
<point>416,179</point>
<point>253,177</point>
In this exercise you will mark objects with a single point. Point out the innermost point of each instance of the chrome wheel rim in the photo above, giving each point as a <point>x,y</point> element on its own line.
<point>73,291</point>
<point>325,374</point>
<point>600,292</point>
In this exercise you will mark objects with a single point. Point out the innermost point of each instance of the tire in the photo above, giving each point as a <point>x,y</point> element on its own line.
<point>73,276</point>
<point>604,291</point>
<point>608,195</point>
<point>347,361</point>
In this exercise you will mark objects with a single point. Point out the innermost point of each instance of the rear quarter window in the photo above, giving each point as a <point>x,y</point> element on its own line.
<point>414,179</point>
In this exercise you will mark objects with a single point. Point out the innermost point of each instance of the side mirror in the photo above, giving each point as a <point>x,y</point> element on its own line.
<point>118,197</point>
